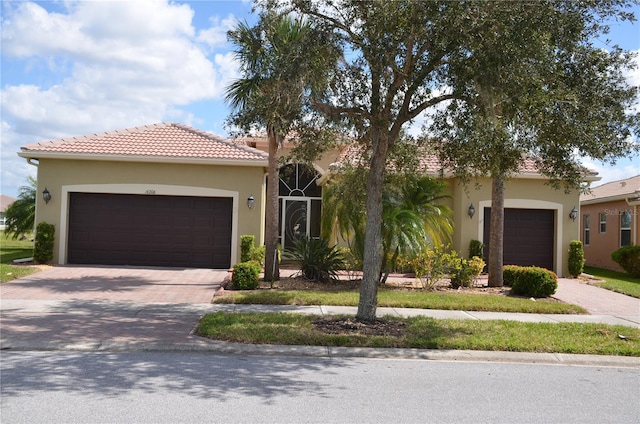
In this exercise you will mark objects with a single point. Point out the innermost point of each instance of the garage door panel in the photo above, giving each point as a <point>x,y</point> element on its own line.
<point>150,230</point>
<point>528,236</point>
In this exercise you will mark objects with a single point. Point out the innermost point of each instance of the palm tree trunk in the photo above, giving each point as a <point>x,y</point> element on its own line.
<point>271,265</point>
<point>372,260</point>
<point>496,232</point>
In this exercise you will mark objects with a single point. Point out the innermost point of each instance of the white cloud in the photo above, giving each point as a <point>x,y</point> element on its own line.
<point>107,65</point>
<point>216,35</point>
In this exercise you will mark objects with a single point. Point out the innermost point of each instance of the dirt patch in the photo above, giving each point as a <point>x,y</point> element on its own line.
<point>351,326</point>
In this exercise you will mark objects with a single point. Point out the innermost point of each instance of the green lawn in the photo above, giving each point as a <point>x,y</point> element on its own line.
<point>428,333</point>
<point>14,249</point>
<point>402,299</point>
<point>616,281</point>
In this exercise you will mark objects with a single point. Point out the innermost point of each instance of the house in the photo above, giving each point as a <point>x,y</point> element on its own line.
<point>171,195</point>
<point>609,220</point>
<point>5,201</point>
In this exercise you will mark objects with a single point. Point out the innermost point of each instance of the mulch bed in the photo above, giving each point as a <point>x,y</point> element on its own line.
<point>351,326</point>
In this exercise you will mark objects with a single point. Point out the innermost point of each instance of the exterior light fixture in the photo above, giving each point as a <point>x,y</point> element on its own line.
<point>471,211</point>
<point>250,202</point>
<point>46,195</point>
<point>573,214</point>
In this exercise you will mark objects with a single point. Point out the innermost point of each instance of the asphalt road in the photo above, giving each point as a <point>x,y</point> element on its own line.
<point>103,387</point>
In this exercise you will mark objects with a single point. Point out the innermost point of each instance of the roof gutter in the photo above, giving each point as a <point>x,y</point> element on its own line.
<point>31,155</point>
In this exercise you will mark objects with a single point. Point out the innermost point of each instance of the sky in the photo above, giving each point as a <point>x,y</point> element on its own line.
<point>72,68</point>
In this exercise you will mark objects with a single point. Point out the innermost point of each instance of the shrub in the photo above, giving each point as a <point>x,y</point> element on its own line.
<point>258,254</point>
<point>43,248</point>
<point>509,273</point>
<point>316,259</point>
<point>476,248</point>
<point>465,271</point>
<point>246,275</point>
<point>532,281</point>
<point>431,266</point>
<point>247,245</point>
<point>576,258</point>
<point>628,257</point>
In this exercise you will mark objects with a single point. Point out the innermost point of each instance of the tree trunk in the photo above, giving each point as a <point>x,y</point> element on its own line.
<point>372,260</point>
<point>497,232</point>
<point>271,265</point>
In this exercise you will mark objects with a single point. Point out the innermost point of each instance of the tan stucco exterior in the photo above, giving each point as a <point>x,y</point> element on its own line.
<point>521,193</point>
<point>603,243</point>
<point>62,176</point>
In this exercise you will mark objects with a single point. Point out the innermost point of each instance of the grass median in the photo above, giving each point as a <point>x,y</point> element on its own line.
<point>423,333</point>
<point>402,299</point>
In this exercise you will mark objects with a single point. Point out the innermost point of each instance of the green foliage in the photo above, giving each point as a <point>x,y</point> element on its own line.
<point>509,273</point>
<point>412,215</point>
<point>576,258</point>
<point>628,257</point>
<point>245,275</point>
<point>432,266</point>
<point>258,254</point>
<point>21,214</point>
<point>532,281</point>
<point>247,244</point>
<point>317,260</point>
<point>464,272</point>
<point>45,237</point>
<point>476,248</point>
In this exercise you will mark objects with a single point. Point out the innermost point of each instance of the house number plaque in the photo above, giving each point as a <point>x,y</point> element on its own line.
<point>149,192</point>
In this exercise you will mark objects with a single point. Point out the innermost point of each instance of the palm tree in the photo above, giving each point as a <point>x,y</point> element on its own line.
<point>280,59</point>
<point>21,214</point>
<point>412,217</point>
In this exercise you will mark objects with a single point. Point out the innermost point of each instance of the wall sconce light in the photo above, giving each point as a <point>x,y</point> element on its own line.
<point>573,214</point>
<point>46,195</point>
<point>471,211</point>
<point>250,202</point>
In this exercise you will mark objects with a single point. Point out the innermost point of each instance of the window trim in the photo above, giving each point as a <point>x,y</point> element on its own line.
<point>587,229</point>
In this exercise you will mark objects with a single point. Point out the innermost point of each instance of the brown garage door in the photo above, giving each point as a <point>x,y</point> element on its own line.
<point>173,231</point>
<point>528,237</point>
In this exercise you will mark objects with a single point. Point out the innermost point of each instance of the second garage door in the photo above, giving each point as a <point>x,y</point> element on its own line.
<point>172,231</point>
<point>528,237</point>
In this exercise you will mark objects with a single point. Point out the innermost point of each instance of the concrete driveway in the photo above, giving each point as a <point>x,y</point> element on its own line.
<point>117,284</point>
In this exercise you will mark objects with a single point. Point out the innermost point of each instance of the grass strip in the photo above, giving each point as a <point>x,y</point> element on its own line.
<point>615,281</point>
<point>401,299</point>
<point>428,333</point>
<point>10,250</point>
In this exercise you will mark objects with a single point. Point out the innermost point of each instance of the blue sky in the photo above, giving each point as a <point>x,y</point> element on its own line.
<point>80,67</point>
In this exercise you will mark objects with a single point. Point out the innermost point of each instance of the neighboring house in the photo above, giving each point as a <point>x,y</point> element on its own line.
<point>609,220</point>
<point>5,201</point>
<point>171,195</point>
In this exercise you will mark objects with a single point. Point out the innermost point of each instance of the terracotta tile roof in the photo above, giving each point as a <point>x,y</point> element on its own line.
<point>614,190</point>
<point>5,201</point>
<point>164,140</point>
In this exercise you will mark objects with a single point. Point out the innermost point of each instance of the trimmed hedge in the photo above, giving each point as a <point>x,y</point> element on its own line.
<point>628,257</point>
<point>576,258</point>
<point>43,247</point>
<point>530,281</point>
<point>246,275</point>
<point>509,273</point>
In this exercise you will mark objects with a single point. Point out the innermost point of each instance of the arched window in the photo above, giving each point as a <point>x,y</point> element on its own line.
<point>300,203</point>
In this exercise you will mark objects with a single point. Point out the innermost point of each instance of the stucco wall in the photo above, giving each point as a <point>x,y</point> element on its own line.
<point>63,176</point>
<point>602,244</point>
<point>523,193</point>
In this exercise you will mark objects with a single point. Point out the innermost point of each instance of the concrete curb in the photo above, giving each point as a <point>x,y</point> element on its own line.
<point>200,345</point>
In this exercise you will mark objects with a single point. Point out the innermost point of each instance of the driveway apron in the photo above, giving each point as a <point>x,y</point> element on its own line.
<point>98,305</point>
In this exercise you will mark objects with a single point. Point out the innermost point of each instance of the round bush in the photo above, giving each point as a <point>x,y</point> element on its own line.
<point>534,281</point>
<point>628,258</point>
<point>246,275</point>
